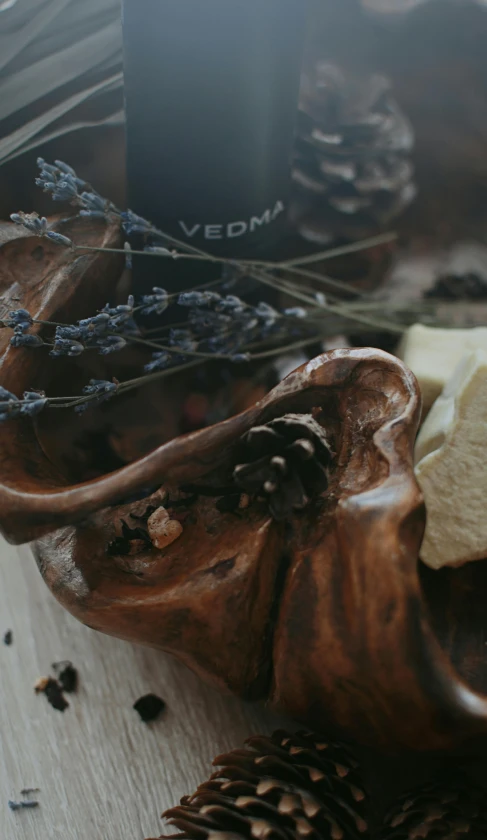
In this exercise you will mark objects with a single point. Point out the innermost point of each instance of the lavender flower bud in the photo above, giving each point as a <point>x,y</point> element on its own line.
<point>100,387</point>
<point>66,347</point>
<point>68,332</point>
<point>9,405</point>
<point>48,168</point>
<point>94,202</point>
<point>132,223</point>
<point>296,312</point>
<point>34,403</point>
<point>22,340</point>
<point>183,340</point>
<point>160,361</point>
<point>158,251</point>
<point>96,325</point>
<point>31,221</point>
<point>111,344</point>
<point>59,239</point>
<point>156,303</point>
<point>64,190</point>
<point>101,390</point>
<point>129,263</point>
<point>19,318</point>
<point>64,167</point>
<point>198,298</point>
<point>266,313</point>
<point>92,214</point>
<point>232,305</point>
<point>7,396</point>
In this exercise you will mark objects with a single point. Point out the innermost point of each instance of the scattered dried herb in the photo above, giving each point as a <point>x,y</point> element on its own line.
<point>67,676</point>
<point>29,791</point>
<point>19,806</point>
<point>8,638</point>
<point>149,707</point>
<point>53,691</point>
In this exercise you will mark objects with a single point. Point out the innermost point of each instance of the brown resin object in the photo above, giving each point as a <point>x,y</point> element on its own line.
<point>322,613</point>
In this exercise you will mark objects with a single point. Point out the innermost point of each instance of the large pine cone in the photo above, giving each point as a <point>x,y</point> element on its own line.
<point>352,174</point>
<point>302,787</point>
<point>286,461</point>
<point>281,788</point>
<point>453,810</point>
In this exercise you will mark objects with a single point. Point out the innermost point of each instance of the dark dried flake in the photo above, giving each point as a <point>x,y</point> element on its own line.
<point>19,806</point>
<point>67,676</point>
<point>149,707</point>
<point>8,638</point>
<point>54,693</point>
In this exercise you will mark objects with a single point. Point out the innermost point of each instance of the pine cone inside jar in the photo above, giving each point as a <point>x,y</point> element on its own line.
<point>280,788</point>
<point>452,810</point>
<point>351,171</point>
<point>287,462</point>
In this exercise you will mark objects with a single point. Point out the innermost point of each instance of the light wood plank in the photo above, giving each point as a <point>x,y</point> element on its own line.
<point>104,774</point>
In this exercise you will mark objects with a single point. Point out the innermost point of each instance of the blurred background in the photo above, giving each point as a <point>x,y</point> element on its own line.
<point>61,96</point>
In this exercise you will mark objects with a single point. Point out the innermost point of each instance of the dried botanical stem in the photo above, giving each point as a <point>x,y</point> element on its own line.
<point>343,250</point>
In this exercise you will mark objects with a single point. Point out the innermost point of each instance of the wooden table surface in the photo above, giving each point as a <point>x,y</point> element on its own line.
<point>103,774</point>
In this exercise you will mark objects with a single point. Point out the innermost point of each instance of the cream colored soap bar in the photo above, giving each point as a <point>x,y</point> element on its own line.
<point>451,467</point>
<point>433,354</point>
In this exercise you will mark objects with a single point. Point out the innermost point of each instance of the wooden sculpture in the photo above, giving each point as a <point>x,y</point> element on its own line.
<point>312,603</point>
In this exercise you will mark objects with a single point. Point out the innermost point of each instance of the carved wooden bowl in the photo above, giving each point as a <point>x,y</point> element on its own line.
<point>326,616</point>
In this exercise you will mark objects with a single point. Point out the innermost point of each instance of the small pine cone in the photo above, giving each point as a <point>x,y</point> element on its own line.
<point>280,788</point>
<point>454,810</point>
<point>286,461</point>
<point>352,173</point>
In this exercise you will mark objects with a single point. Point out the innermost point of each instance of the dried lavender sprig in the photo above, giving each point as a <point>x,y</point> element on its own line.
<point>121,387</point>
<point>352,315</point>
<point>32,403</point>
<point>218,327</point>
<point>54,178</point>
<point>61,181</point>
<point>342,250</point>
<point>39,227</point>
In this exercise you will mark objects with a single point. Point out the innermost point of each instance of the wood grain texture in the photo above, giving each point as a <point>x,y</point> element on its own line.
<point>104,774</point>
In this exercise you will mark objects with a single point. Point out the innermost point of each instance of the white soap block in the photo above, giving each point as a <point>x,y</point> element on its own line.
<point>433,354</point>
<point>451,468</point>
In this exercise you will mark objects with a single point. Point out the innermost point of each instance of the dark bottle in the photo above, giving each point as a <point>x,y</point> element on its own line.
<point>211,98</point>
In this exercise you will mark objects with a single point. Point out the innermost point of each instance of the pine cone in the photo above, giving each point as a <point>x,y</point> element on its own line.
<point>454,810</point>
<point>351,170</point>
<point>286,461</point>
<point>281,788</point>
